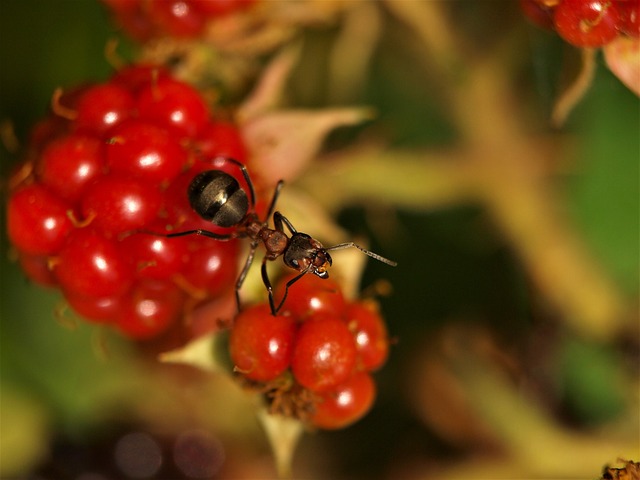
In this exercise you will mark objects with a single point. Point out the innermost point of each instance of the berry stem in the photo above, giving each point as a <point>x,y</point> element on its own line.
<point>578,88</point>
<point>59,109</point>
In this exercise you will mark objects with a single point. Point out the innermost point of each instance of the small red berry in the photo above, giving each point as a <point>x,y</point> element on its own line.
<point>149,309</point>
<point>221,139</point>
<point>212,265</point>
<point>587,23</point>
<point>174,105</point>
<point>69,164</point>
<point>135,77</point>
<point>102,107</point>
<point>37,268</point>
<point>117,204</point>
<point>324,354</point>
<point>91,265</point>
<point>260,344</point>
<point>370,333</point>
<point>346,404</point>
<point>311,295</point>
<point>155,257</point>
<point>38,221</point>
<point>133,18</point>
<point>177,18</point>
<point>145,151</point>
<point>538,13</point>
<point>95,309</point>
<point>629,23</point>
<point>47,130</point>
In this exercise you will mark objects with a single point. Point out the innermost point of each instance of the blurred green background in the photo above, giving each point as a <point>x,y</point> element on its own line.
<point>455,266</point>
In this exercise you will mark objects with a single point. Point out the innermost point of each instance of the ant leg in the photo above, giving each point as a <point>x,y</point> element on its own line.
<point>279,220</point>
<point>274,199</point>
<point>245,174</point>
<point>204,233</point>
<point>286,290</point>
<point>243,273</point>
<point>267,284</point>
<point>220,160</point>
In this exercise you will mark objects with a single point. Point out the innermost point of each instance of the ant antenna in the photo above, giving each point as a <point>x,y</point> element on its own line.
<point>380,258</point>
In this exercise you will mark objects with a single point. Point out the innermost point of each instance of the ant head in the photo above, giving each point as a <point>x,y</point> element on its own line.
<point>306,254</point>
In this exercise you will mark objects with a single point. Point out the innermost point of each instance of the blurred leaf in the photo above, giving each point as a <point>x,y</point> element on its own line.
<point>605,191</point>
<point>45,45</point>
<point>590,381</point>
<point>23,431</point>
<point>62,365</point>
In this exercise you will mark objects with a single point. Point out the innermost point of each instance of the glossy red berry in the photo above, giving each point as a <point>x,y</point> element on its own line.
<point>370,333</point>
<point>37,268</point>
<point>71,163</point>
<point>47,130</point>
<point>149,309</point>
<point>538,13</point>
<point>146,19</point>
<point>212,265</point>
<point>221,139</point>
<point>116,204</point>
<point>178,18</point>
<point>91,265</point>
<point>102,107</point>
<point>132,17</point>
<point>324,354</point>
<point>174,105</point>
<point>37,220</point>
<point>311,295</point>
<point>95,309</point>
<point>260,344</point>
<point>155,257</point>
<point>629,23</point>
<point>345,404</point>
<point>587,23</point>
<point>146,151</point>
<point>135,77</point>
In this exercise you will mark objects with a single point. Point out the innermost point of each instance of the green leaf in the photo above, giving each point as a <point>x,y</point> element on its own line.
<point>605,192</point>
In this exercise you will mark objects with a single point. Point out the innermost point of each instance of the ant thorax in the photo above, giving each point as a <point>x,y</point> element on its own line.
<point>275,242</point>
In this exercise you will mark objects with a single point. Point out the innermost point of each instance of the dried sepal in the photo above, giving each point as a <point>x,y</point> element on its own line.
<point>623,59</point>
<point>283,434</point>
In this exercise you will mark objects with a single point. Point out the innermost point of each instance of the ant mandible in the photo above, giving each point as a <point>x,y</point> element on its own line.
<point>217,196</point>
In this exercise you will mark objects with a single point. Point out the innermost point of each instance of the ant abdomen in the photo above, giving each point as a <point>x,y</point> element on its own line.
<point>218,197</point>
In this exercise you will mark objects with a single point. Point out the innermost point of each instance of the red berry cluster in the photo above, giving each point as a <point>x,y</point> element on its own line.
<point>586,23</point>
<point>315,357</point>
<point>113,159</point>
<point>145,19</point>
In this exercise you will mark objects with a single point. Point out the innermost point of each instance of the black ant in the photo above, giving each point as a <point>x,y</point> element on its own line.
<point>218,197</point>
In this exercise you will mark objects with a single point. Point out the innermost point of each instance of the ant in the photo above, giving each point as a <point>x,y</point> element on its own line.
<point>218,197</point>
